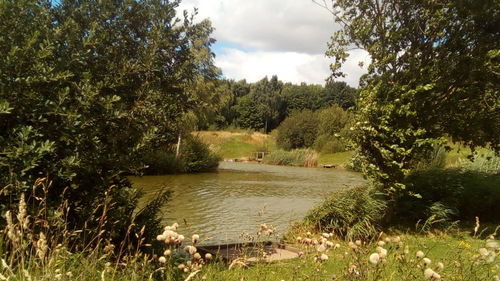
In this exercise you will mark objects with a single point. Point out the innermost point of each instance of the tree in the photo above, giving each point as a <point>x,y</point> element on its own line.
<point>433,74</point>
<point>338,93</point>
<point>86,87</point>
<point>299,130</point>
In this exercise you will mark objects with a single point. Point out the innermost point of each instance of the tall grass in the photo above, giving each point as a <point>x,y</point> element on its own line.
<point>296,157</point>
<point>355,213</point>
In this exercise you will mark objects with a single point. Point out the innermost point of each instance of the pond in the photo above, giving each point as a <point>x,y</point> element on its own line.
<point>239,197</point>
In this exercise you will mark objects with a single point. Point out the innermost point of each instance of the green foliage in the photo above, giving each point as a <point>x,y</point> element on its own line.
<point>196,156</point>
<point>86,89</point>
<point>449,195</point>
<point>298,131</point>
<point>354,213</point>
<point>296,157</point>
<point>326,130</point>
<point>433,74</point>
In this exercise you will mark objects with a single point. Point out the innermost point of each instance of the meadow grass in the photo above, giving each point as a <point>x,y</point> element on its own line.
<point>238,144</point>
<point>338,158</point>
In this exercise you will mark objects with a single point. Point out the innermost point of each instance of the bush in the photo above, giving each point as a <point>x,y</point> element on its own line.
<point>329,144</point>
<point>162,162</point>
<point>298,131</point>
<point>296,157</point>
<point>448,195</point>
<point>197,157</point>
<point>354,213</point>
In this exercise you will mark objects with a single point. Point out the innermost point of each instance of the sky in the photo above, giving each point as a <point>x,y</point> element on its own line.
<point>287,38</point>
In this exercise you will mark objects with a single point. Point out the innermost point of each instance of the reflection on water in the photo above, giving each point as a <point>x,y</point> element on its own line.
<point>240,196</point>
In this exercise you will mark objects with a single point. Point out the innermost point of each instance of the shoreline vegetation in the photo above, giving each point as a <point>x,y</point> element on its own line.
<point>94,91</point>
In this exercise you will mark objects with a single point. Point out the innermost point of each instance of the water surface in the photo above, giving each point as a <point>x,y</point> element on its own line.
<point>240,196</point>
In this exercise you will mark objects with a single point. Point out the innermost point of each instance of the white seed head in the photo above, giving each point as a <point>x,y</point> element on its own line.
<point>167,253</point>
<point>420,254</point>
<point>428,273</point>
<point>358,242</point>
<point>162,259</point>
<point>439,266</point>
<point>160,237</point>
<point>197,256</point>
<point>491,244</point>
<point>195,238</point>
<point>483,252</point>
<point>323,257</point>
<point>382,252</point>
<point>381,243</point>
<point>326,235</point>
<point>426,261</point>
<point>396,239</point>
<point>208,256</point>
<point>329,244</point>
<point>374,258</point>
<point>190,249</point>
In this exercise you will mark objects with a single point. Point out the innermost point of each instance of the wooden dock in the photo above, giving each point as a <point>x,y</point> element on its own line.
<point>251,252</point>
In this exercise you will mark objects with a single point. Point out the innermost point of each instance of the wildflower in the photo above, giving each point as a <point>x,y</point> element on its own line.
<point>69,274</point>
<point>352,245</point>
<point>484,252</point>
<point>195,238</point>
<point>396,239</point>
<point>308,234</point>
<point>323,257</point>
<point>315,242</point>
<point>167,253</point>
<point>58,276</point>
<point>181,266</point>
<point>428,273</point>
<point>208,256</point>
<point>197,256</point>
<point>374,258</point>
<point>382,252</point>
<point>299,239</point>
<point>381,243</point>
<point>190,249</point>
<point>326,235</point>
<point>175,226</point>
<point>329,244</point>
<point>439,266</point>
<point>426,261</point>
<point>180,238</point>
<point>160,237</point>
<point>491,244</point>
<point>162,259</point>
<point>358,242</point>
<point>336,246</point>
<point>420,254</point>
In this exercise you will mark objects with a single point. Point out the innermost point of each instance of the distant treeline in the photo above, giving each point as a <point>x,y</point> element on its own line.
<point>263,105</point>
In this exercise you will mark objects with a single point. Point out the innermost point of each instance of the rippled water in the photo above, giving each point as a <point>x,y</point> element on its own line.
<point>240,196</point>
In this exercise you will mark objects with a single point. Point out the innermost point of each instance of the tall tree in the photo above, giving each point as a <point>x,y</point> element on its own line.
<point>434,73</point>
<point>85,88</point>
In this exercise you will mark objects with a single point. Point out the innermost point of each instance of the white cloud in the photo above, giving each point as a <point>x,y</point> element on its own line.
<point>289,66</point>
<point>269,25</point>
<point>286,37</point>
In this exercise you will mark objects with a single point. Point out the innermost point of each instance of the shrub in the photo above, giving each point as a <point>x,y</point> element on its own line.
<point>298,131</point>
<point>160,162</point>
<point>354,213</point>
<point>448,195</point>
<point>329,144</point>
<point>296,157</point>
<point>197,157</point>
